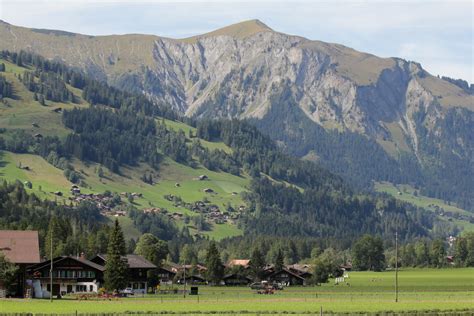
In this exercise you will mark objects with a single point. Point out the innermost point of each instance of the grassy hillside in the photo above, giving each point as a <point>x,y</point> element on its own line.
<point>448,212</point>
<point>23,112</point>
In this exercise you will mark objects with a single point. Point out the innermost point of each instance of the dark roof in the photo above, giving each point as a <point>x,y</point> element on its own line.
<point>20,246</point>
<point>59,259</point>
<point>167,269</point>
<point>134,261</point>
<point>286,271</point>
<point>236,275</point>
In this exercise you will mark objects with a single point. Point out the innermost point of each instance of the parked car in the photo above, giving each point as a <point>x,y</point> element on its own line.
<point>127,291</point>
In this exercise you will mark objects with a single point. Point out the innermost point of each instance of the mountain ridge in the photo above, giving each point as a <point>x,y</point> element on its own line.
<point>392,102</point>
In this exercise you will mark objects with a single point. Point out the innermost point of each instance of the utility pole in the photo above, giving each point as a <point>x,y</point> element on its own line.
<point>51,267</point>
<point>184,268</point>
<point>396,266</point>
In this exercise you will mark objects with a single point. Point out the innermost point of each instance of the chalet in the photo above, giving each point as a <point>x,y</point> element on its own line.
<point>192,279</point>
<point>303,270</point>
<point>22,249</point>
<point>194,273</point>
<point>244,263</point>
<point>285,276</point>
<point>202,177</point>
<point>176,268</point>
<point>208,190</point>
<point>236,279</point>
<point>138,268</point>
<point>70,275</point>
<point>165,275</point>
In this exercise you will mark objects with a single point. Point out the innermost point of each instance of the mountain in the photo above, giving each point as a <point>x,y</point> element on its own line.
<point>363,117</point>
<point>101,152</point>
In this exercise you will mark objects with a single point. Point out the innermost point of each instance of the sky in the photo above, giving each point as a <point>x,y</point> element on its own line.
<point>437,34</point>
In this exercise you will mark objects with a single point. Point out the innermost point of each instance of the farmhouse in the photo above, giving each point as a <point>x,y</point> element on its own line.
<point>22,249</point>
<point>192,279</point>
<point>236,279</point>
<point>138,268</point>
<point>303,270</point>
<point>165,275</point>
<point>244,263</point>
<point>287,277</point>
<point>70,275</point>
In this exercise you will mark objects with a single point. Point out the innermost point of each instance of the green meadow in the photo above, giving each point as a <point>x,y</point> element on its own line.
<point>419,290</point>
<point>407,194</point>
<point>23,112</point>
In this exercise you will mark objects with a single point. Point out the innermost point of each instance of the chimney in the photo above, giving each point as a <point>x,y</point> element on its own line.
<point>82,256</point>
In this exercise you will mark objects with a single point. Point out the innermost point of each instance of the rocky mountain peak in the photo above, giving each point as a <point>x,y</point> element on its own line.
<point>239,30</point>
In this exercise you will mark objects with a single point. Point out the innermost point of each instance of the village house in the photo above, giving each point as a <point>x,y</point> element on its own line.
<point>165,275</point>
<point>70,275</point>
<point>194,274</point>
<point>244,263</point>
<point>236,279</point>
<point>303,270</point>
<point>138,268</point>
<point>22,249</point>
<point>287,277</point>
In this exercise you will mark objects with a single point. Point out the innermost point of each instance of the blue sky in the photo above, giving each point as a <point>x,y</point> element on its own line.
<point>438,34</point>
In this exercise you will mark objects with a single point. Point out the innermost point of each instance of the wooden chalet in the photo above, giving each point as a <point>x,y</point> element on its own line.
<point>22,249</point>
<point>244,263</point>
<point>138,268</point>
<point>302,270</point>
<point>70,275</point>
<point>165,275</point>
<point>192,279</point>
<point>287,277</point>
<point>236,279</point>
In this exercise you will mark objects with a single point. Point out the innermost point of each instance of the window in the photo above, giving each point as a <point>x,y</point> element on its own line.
<point>91,288</point>
<point>81,288</point>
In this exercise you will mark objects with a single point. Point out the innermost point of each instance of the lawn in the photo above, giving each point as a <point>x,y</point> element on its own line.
<point>420,289</point>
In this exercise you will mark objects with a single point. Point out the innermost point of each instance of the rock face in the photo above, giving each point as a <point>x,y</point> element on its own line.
<point>246,69</point>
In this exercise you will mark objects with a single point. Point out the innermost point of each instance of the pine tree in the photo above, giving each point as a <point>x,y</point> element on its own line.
<point>215,269</point>
<point>279,261</point>
<point>256,264</point>
<point>58,235</point>
<point>2,67</point>
<point>116,267</point>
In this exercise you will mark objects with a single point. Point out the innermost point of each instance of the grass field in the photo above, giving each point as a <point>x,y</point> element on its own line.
<point>420,289</point>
